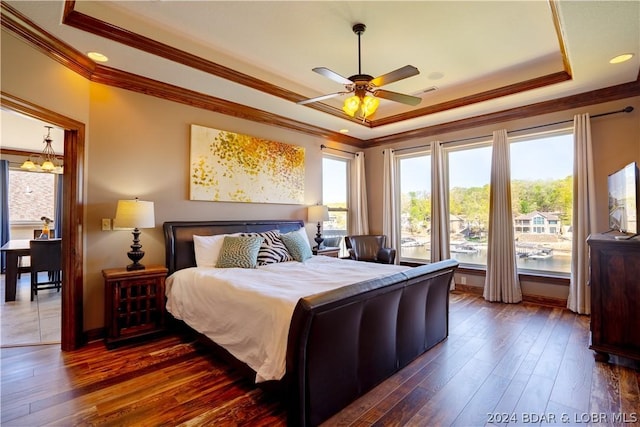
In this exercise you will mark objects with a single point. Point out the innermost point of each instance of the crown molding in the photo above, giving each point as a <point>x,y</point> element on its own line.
<point>612,93</point>
<point>125,80</point>
<point>109,31</point>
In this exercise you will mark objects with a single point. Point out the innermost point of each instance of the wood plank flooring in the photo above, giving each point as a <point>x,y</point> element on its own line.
<point>502,364</point>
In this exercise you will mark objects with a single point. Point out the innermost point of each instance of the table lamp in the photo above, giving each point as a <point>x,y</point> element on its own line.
<point>135,214</point>
<point>318,213</point>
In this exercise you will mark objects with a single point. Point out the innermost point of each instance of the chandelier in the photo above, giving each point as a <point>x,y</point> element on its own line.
<point>50,162</point>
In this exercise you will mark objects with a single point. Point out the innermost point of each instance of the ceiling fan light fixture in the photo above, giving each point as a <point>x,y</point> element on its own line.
<point>369,105</point>
<point>351,105</point>
<point>360,84</point>
<point>366,104</point>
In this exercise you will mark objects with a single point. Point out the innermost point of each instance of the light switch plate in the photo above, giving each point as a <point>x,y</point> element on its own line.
<point>106,224</point>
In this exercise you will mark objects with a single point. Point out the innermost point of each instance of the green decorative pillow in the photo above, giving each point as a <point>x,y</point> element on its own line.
<point>239,252</point>
<point>298,247</point>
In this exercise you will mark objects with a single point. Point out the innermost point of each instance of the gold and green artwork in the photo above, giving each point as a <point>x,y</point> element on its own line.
<point>231,167</point>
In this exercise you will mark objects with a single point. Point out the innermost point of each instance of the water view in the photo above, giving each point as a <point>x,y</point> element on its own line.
<point>548,258</point>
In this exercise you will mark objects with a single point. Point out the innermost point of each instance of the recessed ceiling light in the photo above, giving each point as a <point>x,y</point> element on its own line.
<point>344,130</point>
<point>621,58</point>
<point>97,56</point>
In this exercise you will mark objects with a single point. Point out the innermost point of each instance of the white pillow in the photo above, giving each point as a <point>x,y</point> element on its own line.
<point>207,249</point>
<point>303,233</point>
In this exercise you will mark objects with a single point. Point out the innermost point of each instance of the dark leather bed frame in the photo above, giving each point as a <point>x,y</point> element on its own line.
<point>343,342</point>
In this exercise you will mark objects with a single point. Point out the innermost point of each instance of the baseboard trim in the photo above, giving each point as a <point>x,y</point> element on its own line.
<point>532,299</point>
<point>94,334</point>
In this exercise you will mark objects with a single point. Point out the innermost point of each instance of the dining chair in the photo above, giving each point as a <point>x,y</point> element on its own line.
<point>46,256</point>
<point>24,261</point>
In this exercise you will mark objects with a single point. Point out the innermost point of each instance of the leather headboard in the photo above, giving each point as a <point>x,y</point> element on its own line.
<point>178,236</point>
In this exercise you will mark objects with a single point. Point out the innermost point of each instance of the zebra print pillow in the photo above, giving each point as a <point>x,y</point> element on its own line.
<point>272,249</point>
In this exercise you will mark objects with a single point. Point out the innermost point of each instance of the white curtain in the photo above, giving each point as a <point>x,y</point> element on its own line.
<point>502,283</point>
<point>584,214</point>
<point>359,218</point>
<point>439,204</point>
<point>389,217</point>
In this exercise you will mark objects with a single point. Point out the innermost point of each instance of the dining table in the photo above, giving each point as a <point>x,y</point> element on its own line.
<point>13,250</point>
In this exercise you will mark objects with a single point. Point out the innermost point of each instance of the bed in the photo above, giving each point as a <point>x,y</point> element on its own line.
<point>339,339</point>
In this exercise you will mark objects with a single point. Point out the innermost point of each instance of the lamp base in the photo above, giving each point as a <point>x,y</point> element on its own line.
<point>135,254</point>
<point>135,266</point>
<point>319,239</point>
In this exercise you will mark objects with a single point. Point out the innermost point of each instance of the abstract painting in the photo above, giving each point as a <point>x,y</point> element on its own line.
<point>231,167</point>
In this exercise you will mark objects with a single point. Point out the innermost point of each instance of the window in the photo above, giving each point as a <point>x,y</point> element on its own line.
<point>31,196</point>
<point>414,171</point>
<point>335,185</point>
<point>541,191</point>
<point>469,177</point>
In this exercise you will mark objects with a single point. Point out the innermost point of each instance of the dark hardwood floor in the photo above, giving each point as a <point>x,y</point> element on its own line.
<point>519,364</point>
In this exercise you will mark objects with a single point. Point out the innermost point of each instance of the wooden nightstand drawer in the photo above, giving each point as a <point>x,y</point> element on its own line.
<point>134,303</point>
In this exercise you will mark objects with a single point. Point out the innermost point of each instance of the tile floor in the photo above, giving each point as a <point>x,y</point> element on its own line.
<point>25,322</point>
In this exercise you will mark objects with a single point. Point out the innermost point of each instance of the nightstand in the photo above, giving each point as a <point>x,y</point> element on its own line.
<point>328,251</point>
<point>134,303</point>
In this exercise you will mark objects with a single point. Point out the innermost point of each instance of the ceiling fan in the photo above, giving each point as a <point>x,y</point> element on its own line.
<point>363,84</point>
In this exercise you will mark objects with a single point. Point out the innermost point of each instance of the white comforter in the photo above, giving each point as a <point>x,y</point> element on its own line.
<point>248,311</point>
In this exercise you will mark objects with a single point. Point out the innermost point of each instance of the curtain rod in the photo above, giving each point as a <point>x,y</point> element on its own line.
<point>627,109</point>
<point>322,147</point>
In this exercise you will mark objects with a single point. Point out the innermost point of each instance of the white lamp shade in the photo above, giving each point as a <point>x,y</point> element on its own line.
<point>134,214</point>
<point>318,213</point>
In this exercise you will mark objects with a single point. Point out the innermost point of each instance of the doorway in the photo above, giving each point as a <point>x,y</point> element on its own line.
<point>33,197</point>
<point>71,333</point>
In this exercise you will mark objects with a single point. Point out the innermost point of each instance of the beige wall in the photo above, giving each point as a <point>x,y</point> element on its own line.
<point>32,76</point>
<point>137,145</point>
<point>140,148</point>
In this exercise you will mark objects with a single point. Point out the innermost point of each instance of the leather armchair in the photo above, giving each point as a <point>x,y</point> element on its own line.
<point>370,248</point>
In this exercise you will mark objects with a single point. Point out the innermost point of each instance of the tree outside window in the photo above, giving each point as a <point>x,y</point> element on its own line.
<point>335,185</point>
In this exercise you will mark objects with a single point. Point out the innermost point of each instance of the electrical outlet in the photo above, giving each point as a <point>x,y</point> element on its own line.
<point>463,280</point>
<point>106,224</point>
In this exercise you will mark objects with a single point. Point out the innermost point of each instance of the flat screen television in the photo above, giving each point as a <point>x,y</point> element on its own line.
<point>623,186</point>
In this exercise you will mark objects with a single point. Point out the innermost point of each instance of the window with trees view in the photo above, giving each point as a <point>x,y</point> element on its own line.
<point>414,171</point>
<point>542,202</point>
<point>335,185</point>
<point>541,192</point>
<point>469,177</point>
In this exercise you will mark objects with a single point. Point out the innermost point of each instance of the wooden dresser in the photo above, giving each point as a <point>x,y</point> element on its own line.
<point>615,296</point>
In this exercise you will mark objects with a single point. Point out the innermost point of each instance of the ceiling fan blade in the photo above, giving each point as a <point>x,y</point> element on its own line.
<point>394,76</point>
<point>332,75</point>
<point>397,97</point>
<point>319,98</point>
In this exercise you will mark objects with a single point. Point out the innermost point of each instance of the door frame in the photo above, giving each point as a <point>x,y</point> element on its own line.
<point>72,335</point>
